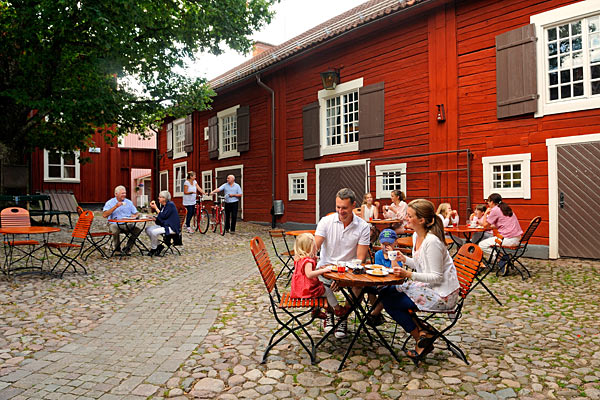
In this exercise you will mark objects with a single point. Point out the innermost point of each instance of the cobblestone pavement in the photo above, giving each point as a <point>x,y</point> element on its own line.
<point>197,325</point>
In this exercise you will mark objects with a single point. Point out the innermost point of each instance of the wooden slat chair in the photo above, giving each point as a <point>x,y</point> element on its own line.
<point>293,310</point>
<point>96,240</point>
<point>71,251</point>
<point>285,256</point>
<point>467,263</point>
<point>17,217</point>
<point>171,242</point>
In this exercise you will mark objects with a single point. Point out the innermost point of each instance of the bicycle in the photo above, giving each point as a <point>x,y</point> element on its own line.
<point>201,219</point>
<point>218,216</point>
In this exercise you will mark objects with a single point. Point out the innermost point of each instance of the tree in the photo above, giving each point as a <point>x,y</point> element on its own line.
<point>62,64</point>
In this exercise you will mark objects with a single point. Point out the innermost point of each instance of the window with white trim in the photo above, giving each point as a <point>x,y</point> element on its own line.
<point>568,51</point>
<point>339,117</point>
<point>179,138</point>
<point>207,183</point>
<point>179,175</point>
<point>389,177</point>
<point>206,133</point>
<point>228,132</point>
<point>163,181</point>
<point>508,175</point>
<point>297,186</point>
<point>61,167</point>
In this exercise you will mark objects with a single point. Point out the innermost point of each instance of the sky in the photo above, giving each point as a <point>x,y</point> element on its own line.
<point>292,17</point>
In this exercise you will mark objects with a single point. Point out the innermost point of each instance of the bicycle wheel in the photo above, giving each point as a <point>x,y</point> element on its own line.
<point>204,221</point>
<point>222,223</point>
<point>214,220</point>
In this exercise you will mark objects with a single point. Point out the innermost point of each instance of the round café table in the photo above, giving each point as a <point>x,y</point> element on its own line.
<point>14,231</point>
<point>138,243</point>
<point>466,231</point>
<point>346,281</point>
<point>300,232</point>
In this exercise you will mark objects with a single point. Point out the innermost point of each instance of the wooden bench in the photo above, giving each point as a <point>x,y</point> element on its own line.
<point>61,203</point>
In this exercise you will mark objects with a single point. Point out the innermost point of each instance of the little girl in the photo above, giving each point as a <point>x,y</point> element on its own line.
<point>304,281</point>
<point>447,214</point>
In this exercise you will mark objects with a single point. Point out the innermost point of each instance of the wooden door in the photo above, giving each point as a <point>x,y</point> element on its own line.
<point>333,179</point>
<point>222,178</point>
<point>578,199</point>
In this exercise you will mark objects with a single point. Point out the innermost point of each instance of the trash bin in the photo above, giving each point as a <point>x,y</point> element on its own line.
<point>278,207</point>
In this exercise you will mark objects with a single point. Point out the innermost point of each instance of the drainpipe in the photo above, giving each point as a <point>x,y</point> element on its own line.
<point>260,83</point>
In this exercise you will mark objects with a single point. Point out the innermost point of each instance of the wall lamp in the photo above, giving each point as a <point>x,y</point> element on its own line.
<point>330,78</point>
<point>441,113</point>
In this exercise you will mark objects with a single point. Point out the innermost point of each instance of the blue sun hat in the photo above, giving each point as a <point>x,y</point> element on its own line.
<point>387,236</point>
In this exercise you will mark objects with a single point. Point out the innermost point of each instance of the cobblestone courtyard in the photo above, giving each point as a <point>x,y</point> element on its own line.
<point>197,325</point>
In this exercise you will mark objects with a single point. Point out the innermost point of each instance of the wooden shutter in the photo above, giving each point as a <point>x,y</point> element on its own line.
<point>516,67</point>
<point>170,140</point>
<point>213,137</point>
<point>371,110</point>
<point>188,145</point>
<point>311,131</point>
<point>243,128</point>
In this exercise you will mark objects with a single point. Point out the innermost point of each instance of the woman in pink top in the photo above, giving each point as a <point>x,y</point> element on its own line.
<point>499,215</point>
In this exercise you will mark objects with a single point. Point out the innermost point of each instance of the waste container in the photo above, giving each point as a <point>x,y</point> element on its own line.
<point>278,207</point>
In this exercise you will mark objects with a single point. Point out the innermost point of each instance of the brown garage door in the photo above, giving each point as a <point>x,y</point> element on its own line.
<point>333,179</point>
<point>222,178</point>
<point>579,196</point>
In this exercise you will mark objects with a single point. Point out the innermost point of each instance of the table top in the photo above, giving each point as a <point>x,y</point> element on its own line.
<point>349,279</point>
<point>130,221</point>
<point>28,230</point>
<point>407,241</point>
<point>385,221</point>
<point>463,228</point>
<point>300,232</point>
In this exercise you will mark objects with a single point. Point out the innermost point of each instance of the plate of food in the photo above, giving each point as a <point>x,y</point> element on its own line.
<point>378,272</point>
<point>374,266</point>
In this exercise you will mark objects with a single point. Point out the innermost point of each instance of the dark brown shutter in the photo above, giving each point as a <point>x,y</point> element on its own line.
<point>188,145</point>
<point>170,140</point>
<point>371,110</point>
<point>213,137</point>
<point>311,131</point>
<point>243,128</point>
<point>516,67</point>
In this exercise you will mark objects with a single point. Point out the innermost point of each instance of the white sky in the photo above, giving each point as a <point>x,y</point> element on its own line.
<point>292,17</point>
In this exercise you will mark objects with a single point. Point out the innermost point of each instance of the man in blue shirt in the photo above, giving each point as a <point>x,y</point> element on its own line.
<point>121,208</point>
<point>233,193</point>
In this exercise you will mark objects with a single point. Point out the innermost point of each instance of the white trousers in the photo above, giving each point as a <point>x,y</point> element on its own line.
<point>153,233</point>
<point>487,244</point>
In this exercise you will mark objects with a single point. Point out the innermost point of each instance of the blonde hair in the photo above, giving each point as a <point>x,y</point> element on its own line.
<point>365,197</point>
<point>304,246</point>
<point>443,209</point>
<point>424,209</point>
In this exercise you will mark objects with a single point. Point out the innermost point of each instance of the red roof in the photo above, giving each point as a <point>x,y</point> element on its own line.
<point>330,29</point>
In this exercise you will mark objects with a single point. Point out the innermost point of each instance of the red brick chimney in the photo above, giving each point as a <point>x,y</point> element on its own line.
<point>260,47</point>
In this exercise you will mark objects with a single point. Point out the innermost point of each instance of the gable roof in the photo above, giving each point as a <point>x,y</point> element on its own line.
<point>334,27</point>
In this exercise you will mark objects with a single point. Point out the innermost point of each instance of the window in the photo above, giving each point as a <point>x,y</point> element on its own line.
<point>389,177</point>
<point>179,138</point>
<point>179,175</point>
<point>228,132</point>
<point>206,133</point>
<point>297,186</point>
<point>507,175</point>
<point>164,181</point>
<point>61,167</point>
<point>339,118</point>
<point>207,185</point>
<point>568,51</point>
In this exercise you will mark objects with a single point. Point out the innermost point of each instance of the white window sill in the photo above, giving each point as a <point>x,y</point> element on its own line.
<point>298,197</point>
<point>228,155</point>
<point>564,106</point>
<point>57,180</point>
<point>343,148</point>
<point>178,194</point>
<point>207,198</point>
<point>510,193</point>
<point>179,155</point>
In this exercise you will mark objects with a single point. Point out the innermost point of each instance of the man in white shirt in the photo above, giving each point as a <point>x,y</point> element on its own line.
<point>341,237</point>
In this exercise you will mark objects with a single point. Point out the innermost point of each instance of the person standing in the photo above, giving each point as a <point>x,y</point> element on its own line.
<point>233,194</point>
<point>190,188</point>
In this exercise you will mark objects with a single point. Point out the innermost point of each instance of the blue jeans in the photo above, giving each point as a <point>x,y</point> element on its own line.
<point>397,305</point>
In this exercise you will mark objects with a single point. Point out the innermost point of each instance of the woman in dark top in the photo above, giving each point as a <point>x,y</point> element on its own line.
<point>167,221</point>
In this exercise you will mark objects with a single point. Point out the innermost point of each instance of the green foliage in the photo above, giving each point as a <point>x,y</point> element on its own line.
<point>62,64</point>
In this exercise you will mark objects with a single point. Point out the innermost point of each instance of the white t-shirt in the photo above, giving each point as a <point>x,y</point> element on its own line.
<point>368,213</point>
<point>340,243</point>
<point>189,199</point>
<point>449,220</point>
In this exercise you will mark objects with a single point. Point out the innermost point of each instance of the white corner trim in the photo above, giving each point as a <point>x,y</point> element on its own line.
<point>552,145</point>
<point>524,192</point>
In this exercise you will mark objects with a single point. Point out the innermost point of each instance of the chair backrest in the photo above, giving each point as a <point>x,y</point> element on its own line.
<point>530,230</point>
<point>14,216</point>
<point>182,211</point>
<point>276,233</point>
<point>79,210</point>
<point>83,225</point>
<point>467,262</point>
<point>263,262</point>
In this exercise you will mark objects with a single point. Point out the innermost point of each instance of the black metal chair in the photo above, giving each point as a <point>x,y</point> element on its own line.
<point>287,256</point>
<point>172,241</point>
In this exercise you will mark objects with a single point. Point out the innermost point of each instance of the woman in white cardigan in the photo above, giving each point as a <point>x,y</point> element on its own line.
<point>433,283</point>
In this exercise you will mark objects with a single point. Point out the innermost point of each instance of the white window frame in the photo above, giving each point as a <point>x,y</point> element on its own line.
<point>47,177</point>
<point>237,180</point>
<point>160,188</point>
<point>175,166</point>
<point>522,193</point>
<point>379,170</point>
<point>208,173</point>
<point>206,133</point>
<point>176,126</point>
<point>323,95</point>
<point>231,111</point>
<point>297,196</point>
<point>550,18</point>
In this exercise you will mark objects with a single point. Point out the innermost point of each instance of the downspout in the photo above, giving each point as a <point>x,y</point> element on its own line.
<point>260,83</point>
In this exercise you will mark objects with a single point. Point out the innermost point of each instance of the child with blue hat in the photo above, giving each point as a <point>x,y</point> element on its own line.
<point>387,238</point>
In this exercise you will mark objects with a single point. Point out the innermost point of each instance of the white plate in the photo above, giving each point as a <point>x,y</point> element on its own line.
<point>374,266</point>
<point>383,273</point>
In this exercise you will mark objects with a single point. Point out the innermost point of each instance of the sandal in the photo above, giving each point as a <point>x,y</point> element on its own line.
<point>426,338</point>
<point>416,357</point>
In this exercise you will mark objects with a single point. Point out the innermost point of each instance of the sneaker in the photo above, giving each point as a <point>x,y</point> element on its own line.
<point>342,310</point>
<point>190,230</point>
<point>159,249</point>
<point>340,332</point>
<point>328,323</point>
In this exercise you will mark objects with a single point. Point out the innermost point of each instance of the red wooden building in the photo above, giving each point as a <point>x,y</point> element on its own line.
<point>449,100</point>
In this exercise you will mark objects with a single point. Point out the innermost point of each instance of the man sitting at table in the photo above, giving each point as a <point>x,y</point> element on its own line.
<point>119,208</point>
<point>341,236</point>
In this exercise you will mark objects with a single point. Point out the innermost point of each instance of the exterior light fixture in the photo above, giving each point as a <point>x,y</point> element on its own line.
<point>441,113</point>
<point>330,78</point>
